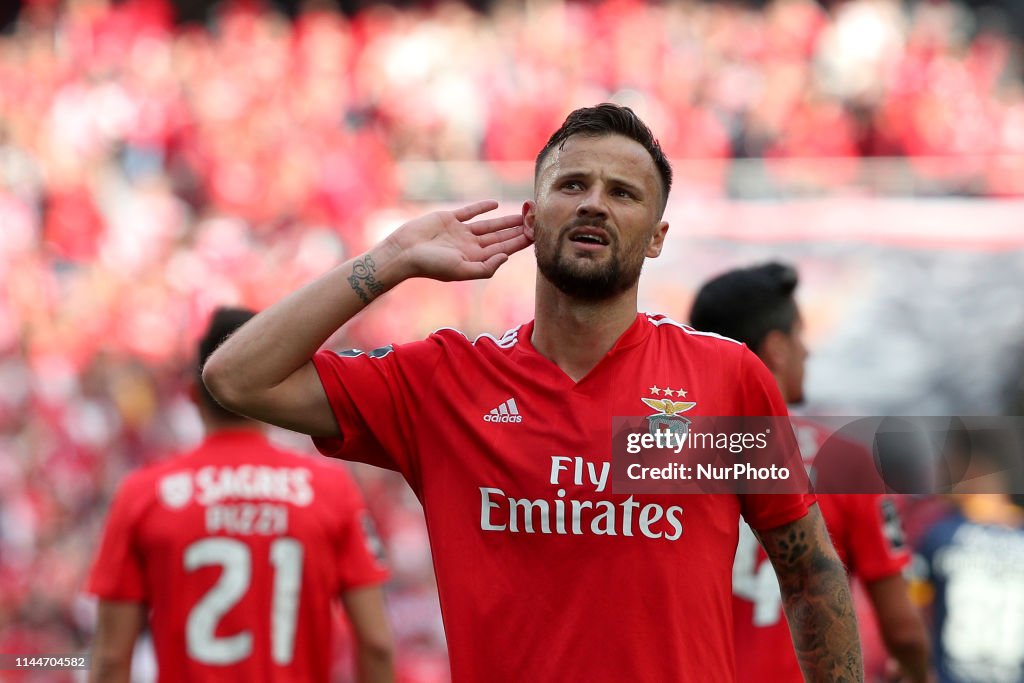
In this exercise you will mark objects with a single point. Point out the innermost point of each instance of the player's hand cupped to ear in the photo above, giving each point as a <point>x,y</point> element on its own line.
<point>444,246</point>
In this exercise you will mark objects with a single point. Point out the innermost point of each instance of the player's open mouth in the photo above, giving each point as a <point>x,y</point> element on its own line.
<point>588,237</point>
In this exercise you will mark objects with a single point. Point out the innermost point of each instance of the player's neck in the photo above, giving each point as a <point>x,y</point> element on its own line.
<point>214,426</point>
<point>576,334</point>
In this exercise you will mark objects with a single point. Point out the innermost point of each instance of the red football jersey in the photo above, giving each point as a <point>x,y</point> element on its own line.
<point>866,534</point>
<point>544,573</point>
<point>239,549</point>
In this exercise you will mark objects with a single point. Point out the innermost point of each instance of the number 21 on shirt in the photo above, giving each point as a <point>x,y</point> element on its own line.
<point>236,560</point>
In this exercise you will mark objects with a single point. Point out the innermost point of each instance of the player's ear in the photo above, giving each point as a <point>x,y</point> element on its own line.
<point>657,240</point>
<point>773,351</point>
<point>529,218</point>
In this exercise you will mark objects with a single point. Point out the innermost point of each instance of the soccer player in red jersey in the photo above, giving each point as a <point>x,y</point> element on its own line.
<point>235,554</point>
<point>756,306</point>
<point>544,573</point>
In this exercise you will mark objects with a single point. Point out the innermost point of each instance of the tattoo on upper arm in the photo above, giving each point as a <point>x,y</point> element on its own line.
<point>362,280</point>
<point>793,546</point>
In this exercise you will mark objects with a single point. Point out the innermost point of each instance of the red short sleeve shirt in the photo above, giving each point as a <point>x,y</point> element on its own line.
<point>239,549</point>
<point>545,573</point>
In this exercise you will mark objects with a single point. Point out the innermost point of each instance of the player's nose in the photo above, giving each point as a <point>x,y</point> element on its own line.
<point>592,203</point>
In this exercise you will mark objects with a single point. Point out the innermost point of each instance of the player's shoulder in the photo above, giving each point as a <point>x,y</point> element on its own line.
<point>830,437</point>
<point>458,339</point>
<point>326,473</point>
<point>691,339</point>
<point>333,487</point>
<point>446,340</point>
<point>280,455</point>
<point>139,488</point>
<point>145,476</point>
<point>845,467</point>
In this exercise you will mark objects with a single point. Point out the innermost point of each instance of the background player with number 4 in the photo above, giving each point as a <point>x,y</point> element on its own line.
<point>757,307</point>
<point>235,554</point>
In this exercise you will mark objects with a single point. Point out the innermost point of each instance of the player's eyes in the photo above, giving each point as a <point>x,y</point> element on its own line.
<point>572,185</point>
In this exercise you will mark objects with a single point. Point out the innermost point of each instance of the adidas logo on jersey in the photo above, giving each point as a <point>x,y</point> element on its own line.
<point>506,412</point>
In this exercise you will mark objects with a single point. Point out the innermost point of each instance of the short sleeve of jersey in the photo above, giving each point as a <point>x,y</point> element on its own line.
<point>875,549</point>
<point>374,397</point>
<point>117,572</point>
<point>360,558</point>
<point>760,396</point>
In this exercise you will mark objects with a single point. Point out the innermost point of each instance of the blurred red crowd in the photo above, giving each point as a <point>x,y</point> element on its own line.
<point>150,173</point>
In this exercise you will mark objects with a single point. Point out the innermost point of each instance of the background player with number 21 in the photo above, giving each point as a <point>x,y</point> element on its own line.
<point>235,553</point>
<point>544,574</point>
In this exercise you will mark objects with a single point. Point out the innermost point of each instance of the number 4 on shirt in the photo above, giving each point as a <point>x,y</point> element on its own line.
<point>756,583</point>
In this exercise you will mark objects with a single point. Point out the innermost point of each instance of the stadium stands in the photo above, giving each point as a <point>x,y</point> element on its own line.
<point>149,173</point>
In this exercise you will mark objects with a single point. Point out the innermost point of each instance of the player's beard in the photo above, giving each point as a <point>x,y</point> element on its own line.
<point>589,279</point>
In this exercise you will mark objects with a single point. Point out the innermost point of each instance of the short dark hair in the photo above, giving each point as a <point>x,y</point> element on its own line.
<point>609,119</point>
<point>747,303</point>
<point>222,325</point>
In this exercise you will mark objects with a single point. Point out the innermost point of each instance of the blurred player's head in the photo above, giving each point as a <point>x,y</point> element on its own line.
<point>600,188</point>
<point>222,325</point>
<point>756,306</point>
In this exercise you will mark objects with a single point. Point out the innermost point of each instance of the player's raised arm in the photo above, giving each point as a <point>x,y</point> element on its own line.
<point>264,371</point>
<point>816,597</point>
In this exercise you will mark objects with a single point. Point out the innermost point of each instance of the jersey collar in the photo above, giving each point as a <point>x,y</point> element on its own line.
<point>635,334</point>
<point>235,435</point>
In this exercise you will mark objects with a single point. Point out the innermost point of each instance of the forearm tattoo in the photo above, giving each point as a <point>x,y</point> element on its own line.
<point>362,280</point>
<point>816,596</point>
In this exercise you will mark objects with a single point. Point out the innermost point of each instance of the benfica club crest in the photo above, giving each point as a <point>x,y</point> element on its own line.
<point>176,490</point>
<point>668,418</point>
